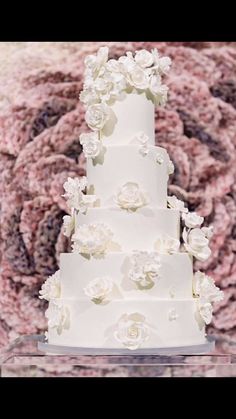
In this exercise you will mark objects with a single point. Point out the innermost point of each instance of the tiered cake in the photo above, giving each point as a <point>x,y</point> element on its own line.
<point>128,282</point>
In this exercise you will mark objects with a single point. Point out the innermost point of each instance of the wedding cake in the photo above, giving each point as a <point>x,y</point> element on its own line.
<point>128,281</point>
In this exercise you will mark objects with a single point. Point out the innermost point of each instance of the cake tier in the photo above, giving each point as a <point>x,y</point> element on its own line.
<point>131,115</point>
<point>121,164</point>
<point>92,325</point>
<point>174,276</point>
<point>137,230</point>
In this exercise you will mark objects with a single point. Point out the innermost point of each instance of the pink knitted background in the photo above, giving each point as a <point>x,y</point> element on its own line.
<point>39,148</point>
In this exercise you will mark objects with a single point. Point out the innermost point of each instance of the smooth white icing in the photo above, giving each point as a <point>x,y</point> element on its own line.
<point>120,164</point>
<point>77,271</point>
<point>132,114</point>
<point>137,230</point>
<point>93,325</point>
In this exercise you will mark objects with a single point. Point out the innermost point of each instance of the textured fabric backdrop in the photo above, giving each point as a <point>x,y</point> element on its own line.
<point>40,123</point>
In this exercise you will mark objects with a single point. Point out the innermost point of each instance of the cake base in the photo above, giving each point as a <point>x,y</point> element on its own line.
<point>203,348</point>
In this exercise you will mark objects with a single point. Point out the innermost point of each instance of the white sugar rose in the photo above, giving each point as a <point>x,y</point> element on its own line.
<point>73,188</point>
<point>208,231</point>
<point>144,58</point>
<point>102,85</point>
<point>167,245</point>
<point>72,185</point>
<point>91,143</point>
<point>118,84</point>
<point>93,239</point>
<point>205,288</point>
<point>205,311</point>
<point>97,116</point>
<point>132,331</point>
<point>207,292</point>
<point>126,63</point>
<point>51,287</point>
<point>75,197</point>
<point>158,90</point>
<point>130,197</point>
<point>192,220</point>
<point>196,243</point>
<point>89,96</point>
<point>113,66</point>
<point>144,269</point>
<point>138,77</point>
<point>177,204</point>
<point>94,63</point>
<point>164,64</point>
<point>69,224</point>
<point>58,316</point>
<point>99,289</point>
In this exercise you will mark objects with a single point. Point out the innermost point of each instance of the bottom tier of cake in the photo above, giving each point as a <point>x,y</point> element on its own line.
<point>126,323</point>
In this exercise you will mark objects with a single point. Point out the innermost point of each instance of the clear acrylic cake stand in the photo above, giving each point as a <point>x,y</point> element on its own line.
<point>28,356</point>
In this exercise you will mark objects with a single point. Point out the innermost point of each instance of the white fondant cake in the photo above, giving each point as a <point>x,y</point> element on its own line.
<point>129,281</point>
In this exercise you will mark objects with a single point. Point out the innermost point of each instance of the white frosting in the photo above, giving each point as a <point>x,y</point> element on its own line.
<point>93,325</point>
<point>134,230</point>
<point>174,276</point>
<point>126,164</point>
<point>132,114</point>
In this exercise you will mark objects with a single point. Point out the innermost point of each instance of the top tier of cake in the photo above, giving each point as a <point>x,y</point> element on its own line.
<point>127,153</point>
<point>120,95</point>
<point>131,115</point>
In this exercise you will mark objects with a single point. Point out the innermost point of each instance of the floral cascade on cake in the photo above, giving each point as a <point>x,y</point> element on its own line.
<point>128,282</point>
